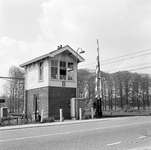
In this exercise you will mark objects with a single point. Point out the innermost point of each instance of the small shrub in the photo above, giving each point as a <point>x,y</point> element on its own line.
<point>87,117</point>
<point>130,110</point>
<point>127,108</point>
<point>49,119</point>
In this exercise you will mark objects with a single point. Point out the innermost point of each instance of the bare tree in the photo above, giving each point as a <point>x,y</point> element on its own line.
<point>119,89</point>
<point>14,89</point>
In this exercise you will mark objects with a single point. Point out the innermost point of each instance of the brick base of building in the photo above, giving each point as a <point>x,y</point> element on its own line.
<point>59,98</point>
<point>50,100</point>
<point>42,103</point>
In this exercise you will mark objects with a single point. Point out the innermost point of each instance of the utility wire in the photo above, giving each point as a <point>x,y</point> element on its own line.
<point>119,60</point>
<point>126,59</point>
<point>139,68</point>
<point>121,57</point>
<point>129,66</point>
<point>126,55</point>
<point>136,68</point>
<point>15,78</point>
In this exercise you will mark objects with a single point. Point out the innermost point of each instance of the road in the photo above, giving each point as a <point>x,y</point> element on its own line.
<point>112,134</point>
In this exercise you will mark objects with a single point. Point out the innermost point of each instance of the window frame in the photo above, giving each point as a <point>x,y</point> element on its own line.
<point>70,69</point>
<point>63,68</point>
<point>55,67</point>
<point>41,71</point>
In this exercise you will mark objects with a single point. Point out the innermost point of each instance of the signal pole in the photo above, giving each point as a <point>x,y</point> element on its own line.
<point>98,95</point>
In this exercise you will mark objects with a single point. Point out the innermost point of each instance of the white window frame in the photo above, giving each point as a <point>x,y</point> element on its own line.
<point>55,67</point>
<point>41,71</point>
<point>68,71</point>
<point>66,68</point>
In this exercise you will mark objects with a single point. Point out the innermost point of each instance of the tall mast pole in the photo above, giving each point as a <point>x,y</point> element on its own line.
<point>98,94</point>
<point>98,74</point>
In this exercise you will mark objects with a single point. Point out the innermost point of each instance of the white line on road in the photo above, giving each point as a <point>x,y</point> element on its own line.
<point>61,133</point>
<point>116,143</point>
<point>31,137</point>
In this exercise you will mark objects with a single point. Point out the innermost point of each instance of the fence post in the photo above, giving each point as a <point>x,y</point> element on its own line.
<point>92,113</point>
<point>60,115</point>
<point>42,115</point>
<point>80,114</point>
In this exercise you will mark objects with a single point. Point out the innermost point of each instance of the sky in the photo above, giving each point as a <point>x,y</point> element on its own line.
<point>30,28</point>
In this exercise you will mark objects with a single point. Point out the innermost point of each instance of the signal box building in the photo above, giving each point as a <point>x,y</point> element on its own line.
<point>50,82</point>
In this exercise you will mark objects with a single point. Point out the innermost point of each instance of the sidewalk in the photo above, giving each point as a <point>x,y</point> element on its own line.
<point>57,123</point>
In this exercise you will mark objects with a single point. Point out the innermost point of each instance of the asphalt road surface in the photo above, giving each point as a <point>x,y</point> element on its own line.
<point>132,133</point>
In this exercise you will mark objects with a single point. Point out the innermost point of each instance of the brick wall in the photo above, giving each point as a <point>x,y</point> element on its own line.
<point>59,98</point>
<point>42,101</point>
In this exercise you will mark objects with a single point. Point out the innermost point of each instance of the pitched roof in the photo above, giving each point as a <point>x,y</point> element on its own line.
<point>54,53</point>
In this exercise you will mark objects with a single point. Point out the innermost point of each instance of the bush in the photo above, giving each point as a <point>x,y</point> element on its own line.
<point>49,119</point>
<point>127,108</point>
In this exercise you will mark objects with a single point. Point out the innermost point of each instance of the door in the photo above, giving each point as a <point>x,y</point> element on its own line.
<point>35,106</point>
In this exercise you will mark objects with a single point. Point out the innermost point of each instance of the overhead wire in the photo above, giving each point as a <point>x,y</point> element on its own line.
<point>126,55</point>
<point>93,66</point>
<point>129,66</point>
<point>126,59</point>
<point>128,69</point>
<point>140,68</point>
<point>118,60</point>
<point>120,57</point>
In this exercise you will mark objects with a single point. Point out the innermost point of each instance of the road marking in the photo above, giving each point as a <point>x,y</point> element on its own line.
<point>141,137</point>
<point>116,143</point>
<point>61,133</point>
<point>31,137</point>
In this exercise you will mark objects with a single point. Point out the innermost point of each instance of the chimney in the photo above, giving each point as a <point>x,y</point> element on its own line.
<point>59,47</point>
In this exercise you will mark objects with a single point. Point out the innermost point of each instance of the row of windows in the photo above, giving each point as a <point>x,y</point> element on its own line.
<point>59,70</point>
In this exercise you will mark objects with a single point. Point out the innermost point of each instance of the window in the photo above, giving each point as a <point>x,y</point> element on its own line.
<point>70,71</point>
<point>54,69</point>
<point>63,70</point>
<point>41,71</point>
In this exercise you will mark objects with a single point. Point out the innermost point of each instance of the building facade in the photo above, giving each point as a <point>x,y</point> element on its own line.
<point>50,82</point>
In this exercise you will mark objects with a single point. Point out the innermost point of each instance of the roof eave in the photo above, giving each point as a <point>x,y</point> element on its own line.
<point>35,60</point>
<point>53,54</point>
<point>67,47</point>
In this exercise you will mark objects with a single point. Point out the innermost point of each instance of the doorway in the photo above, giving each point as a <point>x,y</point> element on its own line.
<point>36,106</point>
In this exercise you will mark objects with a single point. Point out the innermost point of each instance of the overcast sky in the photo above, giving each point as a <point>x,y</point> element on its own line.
<point>30,28</point>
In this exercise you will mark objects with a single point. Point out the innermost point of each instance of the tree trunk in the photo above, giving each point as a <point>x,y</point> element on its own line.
<point>138,105</point>
<point>147,93</point>
<point>126,93</point>
<point>133,98</point>
<point>105,103</point>
<point>143,100</point>
<point>121,97</point>
<point>115,101</point>
<point>111,99</point>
